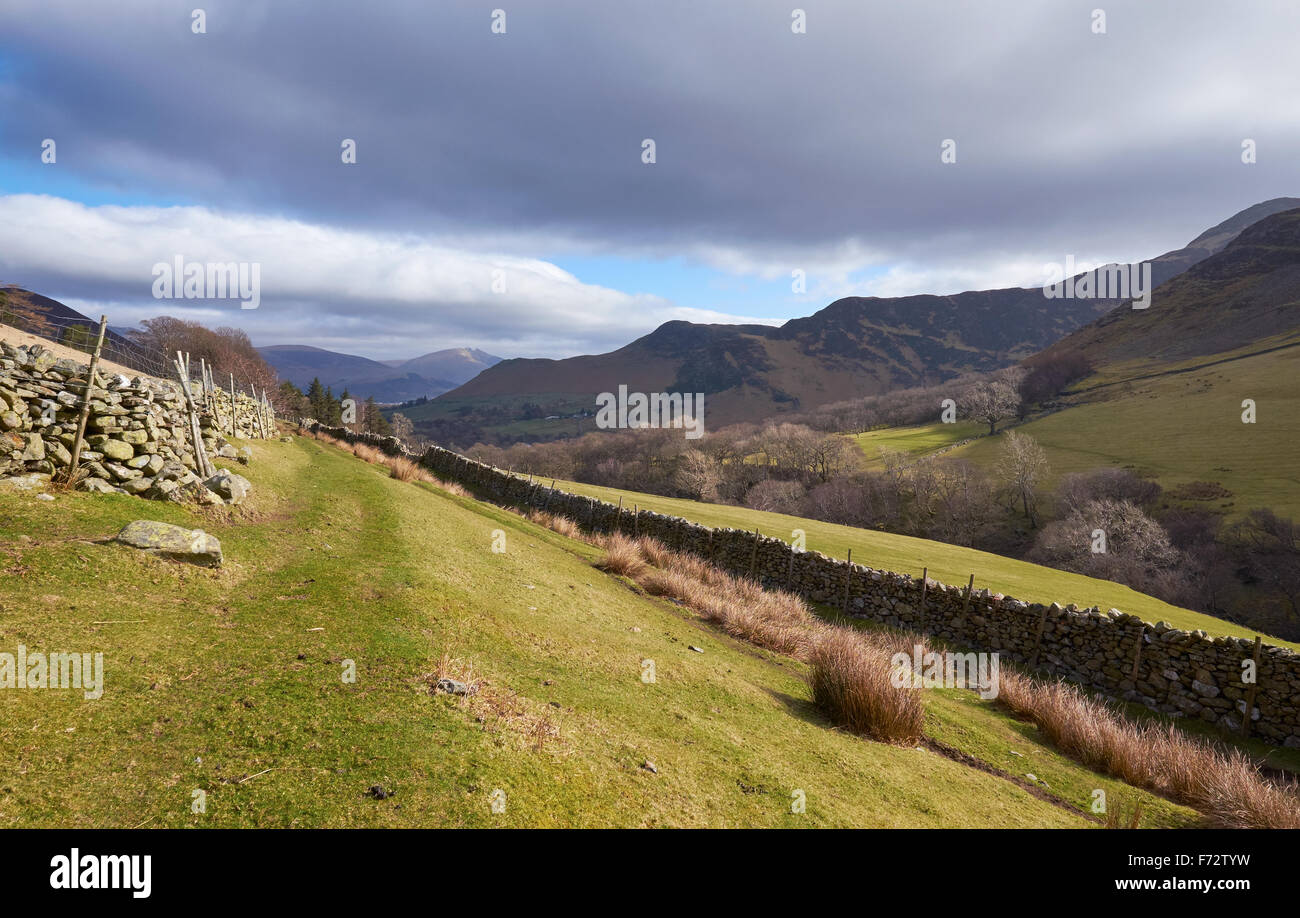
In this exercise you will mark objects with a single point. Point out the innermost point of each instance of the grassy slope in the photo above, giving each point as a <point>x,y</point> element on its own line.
<point>948,563</point>
<point>1186,427</point>
<point>915,441</point>
<point>223,679</point>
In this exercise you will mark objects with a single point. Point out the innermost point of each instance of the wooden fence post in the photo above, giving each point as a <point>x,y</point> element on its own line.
<point>85,401</point>
<point>848,579</point>
<point>965,604</point>
<point>1250,693</point>
<point>1137,653</point>
<point>234,426</point>
<point>201,463</point>
<point>1038,639</point>
<point>925,582</point>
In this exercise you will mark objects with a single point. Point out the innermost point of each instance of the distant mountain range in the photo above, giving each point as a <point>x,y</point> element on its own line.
<point>385,381</point>
<point>855,346</point>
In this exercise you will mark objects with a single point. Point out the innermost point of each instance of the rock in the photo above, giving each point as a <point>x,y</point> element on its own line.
<point>191,545</point>
<point>1204,690</point>
<point>378,792</point>
<point>452,687</point>
<point>137,485</point>
<point>195,491</point>
<point>34,451</point>
<point>245,455</point>
<point>24,482</point>
<point>231,487</point>
<point>97,486</point>
<point>165,489</point>
<point>117,450</point>
<point>650,767</point>
<point>121,472</point>
<point>10,421</point>
<point>58,453</point>
<point>171,471</point>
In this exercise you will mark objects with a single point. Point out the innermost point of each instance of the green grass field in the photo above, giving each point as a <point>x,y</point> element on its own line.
<point>230,682</point>
<point>914,441</point>
<point>1185,427</point>
<point>952,564</point>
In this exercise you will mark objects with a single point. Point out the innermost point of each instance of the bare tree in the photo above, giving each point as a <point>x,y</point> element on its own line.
<point>403,429</point>
<point>697,475</point>
<point>990,402</point>
<point>1022,464</point>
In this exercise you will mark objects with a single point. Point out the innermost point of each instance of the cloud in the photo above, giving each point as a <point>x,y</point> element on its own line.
<point>359,291</point>
<point>775,151</point>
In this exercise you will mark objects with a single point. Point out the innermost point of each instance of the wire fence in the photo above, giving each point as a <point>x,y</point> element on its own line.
<point>81,334</point>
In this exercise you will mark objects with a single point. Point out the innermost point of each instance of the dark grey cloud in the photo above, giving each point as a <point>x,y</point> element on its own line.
<point>772,147</point>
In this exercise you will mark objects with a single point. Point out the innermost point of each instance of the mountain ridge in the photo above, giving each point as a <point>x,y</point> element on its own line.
<point>854,346</point>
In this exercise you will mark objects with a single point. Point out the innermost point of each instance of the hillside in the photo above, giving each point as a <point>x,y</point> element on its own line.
<point>1166,396</point>
<point>854,346</point>
<point>387,381</point>
<point>230,681</point>
<point>1244,294</point>
<point>951,564</point>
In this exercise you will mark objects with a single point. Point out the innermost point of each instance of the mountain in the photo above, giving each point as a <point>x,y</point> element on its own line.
<point>426,376</point>
<point>855,346</point>
<point>49,318</point>
<point>1245,295</point>
<point>458,364</point>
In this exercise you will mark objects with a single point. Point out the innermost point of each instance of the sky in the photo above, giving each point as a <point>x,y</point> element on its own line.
<point>500,196</point>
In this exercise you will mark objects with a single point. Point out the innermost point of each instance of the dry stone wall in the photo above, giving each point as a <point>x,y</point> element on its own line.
<point>137,433</point>
<point>1181,673</point>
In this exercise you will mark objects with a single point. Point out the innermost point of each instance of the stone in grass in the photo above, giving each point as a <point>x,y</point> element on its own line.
<point>452,687</point>
<point>191,545</point>
<point>34,481</point>
<point>231,487</point>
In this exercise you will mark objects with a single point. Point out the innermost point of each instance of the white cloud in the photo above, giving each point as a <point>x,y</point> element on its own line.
<point>367,292</point>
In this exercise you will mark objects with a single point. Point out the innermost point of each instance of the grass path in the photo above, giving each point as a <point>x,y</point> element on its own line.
<point>232,683</point>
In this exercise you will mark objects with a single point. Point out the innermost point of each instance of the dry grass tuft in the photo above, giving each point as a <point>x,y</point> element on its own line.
<point>851,676</point>
<point>1223,784</point>
<point>404,469</point>
<point>561,524</point>
<point>622,557</point>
